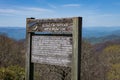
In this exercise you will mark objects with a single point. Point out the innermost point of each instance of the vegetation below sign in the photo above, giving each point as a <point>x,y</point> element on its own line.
<point>99,61</point>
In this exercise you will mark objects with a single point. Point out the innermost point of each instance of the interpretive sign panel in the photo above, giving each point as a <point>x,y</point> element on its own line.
<point>54,50</point>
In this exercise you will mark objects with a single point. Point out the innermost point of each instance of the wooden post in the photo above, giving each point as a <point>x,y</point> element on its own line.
<point>77,38</point>
<point>29,65</point>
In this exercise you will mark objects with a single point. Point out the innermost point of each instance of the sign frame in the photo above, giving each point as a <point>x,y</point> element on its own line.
<point>76,46</point>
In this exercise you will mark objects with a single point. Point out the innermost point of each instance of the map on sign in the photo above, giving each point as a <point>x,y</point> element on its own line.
<point>54,50</point>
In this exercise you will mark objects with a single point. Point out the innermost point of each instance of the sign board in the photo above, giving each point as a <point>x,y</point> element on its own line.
<point>53,50</point>
<point>54,42</point>
<point>51,26</point>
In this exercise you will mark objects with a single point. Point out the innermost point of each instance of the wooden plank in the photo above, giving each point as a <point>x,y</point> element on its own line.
<point>53,50</point>
<point>52,26</point>
<point>77,29</point>
<point>29,65</point>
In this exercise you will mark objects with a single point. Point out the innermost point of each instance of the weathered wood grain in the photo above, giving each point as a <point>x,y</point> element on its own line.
<point>53,26</point>
<point>54,50</point>
<point>76,57</point>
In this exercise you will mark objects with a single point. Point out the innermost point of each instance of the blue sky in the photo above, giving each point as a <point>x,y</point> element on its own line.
<point>13,13</point>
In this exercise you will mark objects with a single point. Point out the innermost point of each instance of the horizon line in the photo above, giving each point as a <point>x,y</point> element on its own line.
<point>82,26</point>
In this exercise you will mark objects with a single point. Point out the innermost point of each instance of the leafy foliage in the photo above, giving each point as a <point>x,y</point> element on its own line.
<point>114,73</point>
<point>12,73</point>
<point>12,53</point>
<point>112,60</point>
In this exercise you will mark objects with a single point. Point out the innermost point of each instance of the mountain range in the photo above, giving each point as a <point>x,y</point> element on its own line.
<point>16,33</point>
<point>97,32</point>
<point>101,34</point>
<point>91,34</point>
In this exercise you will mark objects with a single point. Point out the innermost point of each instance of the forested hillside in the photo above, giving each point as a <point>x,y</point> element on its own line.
<point>101,61</point>
<point>98,61</point>
<point>12,58</point>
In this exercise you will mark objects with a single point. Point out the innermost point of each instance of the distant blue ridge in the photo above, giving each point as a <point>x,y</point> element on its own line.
<point>17,33</point>
<point>87,32</point>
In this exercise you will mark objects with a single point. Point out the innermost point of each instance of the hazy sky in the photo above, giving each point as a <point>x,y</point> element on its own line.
<point>94,12</point>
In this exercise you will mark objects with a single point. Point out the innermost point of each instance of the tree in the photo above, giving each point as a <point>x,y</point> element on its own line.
<point>111,58</point>
<point>12,73</point>
<point>12,52</point>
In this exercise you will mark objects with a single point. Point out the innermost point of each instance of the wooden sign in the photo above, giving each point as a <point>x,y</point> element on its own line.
<point>54,42</point>
<point>55,26</point>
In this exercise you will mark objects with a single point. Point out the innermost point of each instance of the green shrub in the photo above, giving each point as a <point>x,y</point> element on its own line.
<point>12,73</point>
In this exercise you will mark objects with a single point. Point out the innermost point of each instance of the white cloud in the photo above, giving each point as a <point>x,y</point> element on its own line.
<point>24,11</point>
<point>91,16</point>
<point>38,9</point>
<point>102,20</point>
<point>71,5</point>
<point>52,6</point>
<point>8,11</point>
<point>17,16</point>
